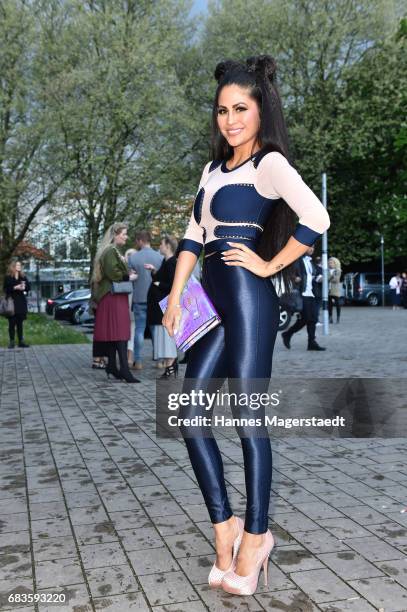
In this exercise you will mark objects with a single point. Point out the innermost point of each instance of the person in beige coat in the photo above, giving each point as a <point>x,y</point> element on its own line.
<point>335,288</point>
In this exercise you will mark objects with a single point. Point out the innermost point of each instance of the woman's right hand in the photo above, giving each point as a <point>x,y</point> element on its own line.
<point>172,318</point>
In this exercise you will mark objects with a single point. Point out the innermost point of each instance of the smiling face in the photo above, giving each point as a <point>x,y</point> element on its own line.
<point>121,238</point>
<point>238,116</point>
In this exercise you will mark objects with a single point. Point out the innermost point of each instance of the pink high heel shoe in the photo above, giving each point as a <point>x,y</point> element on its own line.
<point>216,574</point>
<point>247,585</point>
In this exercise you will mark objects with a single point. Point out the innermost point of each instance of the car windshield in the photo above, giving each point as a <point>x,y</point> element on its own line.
<point>80,293</point>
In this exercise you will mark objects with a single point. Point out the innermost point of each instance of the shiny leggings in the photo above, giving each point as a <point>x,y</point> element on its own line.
<point>241,349</point>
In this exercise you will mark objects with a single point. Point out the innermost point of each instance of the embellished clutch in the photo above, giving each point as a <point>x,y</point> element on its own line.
<point>198,314</point>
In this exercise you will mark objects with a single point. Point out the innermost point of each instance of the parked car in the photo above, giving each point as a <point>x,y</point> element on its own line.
<point>366,287</point>
<point>52,302</point>
<point>66,308</point>
<point>83,315</point>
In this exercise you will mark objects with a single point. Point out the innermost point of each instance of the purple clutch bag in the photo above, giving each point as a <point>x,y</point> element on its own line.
<point>198,314</point>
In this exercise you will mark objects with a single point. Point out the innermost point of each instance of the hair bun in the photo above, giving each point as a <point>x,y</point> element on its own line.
<point>223,67</point>
<point>264,65</point>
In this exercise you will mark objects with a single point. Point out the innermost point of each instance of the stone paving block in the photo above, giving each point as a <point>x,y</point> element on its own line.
<point>318,510</point>
<point>48,510</point>
<point>113,580</point>
<point>13,522</point>
<point>122,603</point>
<point>197,568</point>
<point>294,558</point>
<point>364,515</point>
<point>290,600</point>
<point>382,593</point>
<point>322,585</point>
<point>76,598</point>
<point>391,532</point>
<point>15,564</point>
<point>136,539</point>
<point>13,506</point>
<point>58,572</point>
<point>102,555</point>
<point>14,585</point>
<point>50,528</point>
<point>374,549</point>
<point>152,560</point>
<point>342,528</point>
<point>130,519</point>
<point>355,604</point>
<point>295,521</point>
<point>83,495</point>
<point>320,541</point>
<point>190,606</point>
<point>48,494</point>
<point>186,545</point>
<point>217,600</point>
<point>196,512</point>
<point>99,533</point>
<point>397,570</point>
<point>54,548</point>
<point>88,516</point>
<point>167,588</point>
<point>175,524</point>
<point>349,565</point>
<point>14,541</point>
<point>189,497</point>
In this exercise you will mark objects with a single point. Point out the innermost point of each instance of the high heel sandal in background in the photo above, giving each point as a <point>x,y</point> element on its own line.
<point>247,585</point>
<point>216,574</point>
<point>171,370</point>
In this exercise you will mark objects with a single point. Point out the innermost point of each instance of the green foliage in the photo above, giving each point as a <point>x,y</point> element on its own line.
<point>40,329</point>
<point>105,110</point>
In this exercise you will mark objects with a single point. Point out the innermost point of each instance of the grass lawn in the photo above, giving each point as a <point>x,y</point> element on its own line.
<point>40,329</point>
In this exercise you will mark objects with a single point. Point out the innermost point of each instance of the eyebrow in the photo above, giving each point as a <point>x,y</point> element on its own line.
<point>233,106</point>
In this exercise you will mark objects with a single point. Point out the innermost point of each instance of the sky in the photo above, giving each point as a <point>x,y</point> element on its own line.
<point>199,6</point>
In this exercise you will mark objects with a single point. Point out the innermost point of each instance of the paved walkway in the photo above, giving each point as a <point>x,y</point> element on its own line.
<point>93,506</point>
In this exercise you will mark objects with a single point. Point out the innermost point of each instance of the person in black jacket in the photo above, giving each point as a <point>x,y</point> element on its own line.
<point>164,346</point>
<point>308,272</point>
<point>16,286</point>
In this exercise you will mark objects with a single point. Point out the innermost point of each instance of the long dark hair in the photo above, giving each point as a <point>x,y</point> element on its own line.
<point>258,75</point>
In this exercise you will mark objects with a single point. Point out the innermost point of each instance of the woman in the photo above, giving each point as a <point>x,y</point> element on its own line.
<point>16,286</point>
<point>112,318</point>
<point>243,217</point>
<point>164,347</point>
<point>335,272</point>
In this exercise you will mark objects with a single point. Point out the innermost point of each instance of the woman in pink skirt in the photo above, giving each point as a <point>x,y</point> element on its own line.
<point>112,318</point>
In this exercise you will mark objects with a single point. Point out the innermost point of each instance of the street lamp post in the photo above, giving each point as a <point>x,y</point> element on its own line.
<point>382,257</point>
<point>325,265</point>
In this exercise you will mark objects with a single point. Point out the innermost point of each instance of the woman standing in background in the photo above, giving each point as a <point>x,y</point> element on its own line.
<point>335,272</point>
<point>16,286</point>
<point>164,347</point>
<point>112,319</point>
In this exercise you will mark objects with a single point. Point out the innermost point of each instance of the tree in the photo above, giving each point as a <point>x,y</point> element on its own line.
<point>114,96</point>
<point>327,52</point>
<point>27,182</point>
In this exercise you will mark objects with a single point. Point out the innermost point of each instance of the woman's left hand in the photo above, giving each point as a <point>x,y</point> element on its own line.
<point>241,255</point>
